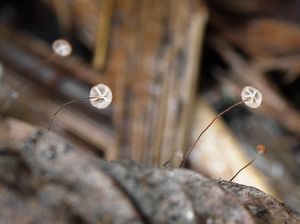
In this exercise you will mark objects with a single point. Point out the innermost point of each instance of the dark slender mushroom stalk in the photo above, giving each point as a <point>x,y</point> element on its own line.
<point>250,96</point>
<point>175,160</point>
<point>260,149</point>
<point>100,97</point>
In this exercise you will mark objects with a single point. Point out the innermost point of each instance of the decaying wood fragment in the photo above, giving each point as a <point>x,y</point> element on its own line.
<point>263,207</point>
<point>45,179</point>
<point>55,182</point>
<point>266,38</point>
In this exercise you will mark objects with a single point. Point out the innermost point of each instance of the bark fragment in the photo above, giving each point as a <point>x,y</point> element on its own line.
<point>44,179</point>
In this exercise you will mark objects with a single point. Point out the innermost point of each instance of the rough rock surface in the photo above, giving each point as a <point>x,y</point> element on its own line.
<point>44,179</point>
<point>263,207</point>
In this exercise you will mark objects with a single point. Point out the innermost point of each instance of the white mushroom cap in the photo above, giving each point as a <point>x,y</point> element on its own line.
<point>251,96</point>
<point>62,47</point>
<point>100,96</point>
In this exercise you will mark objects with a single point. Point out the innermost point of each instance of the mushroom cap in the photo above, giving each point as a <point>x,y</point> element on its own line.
<point>62,47</point>
<point>251,96</point>
<point>261,149</point>
<point>100,96</point>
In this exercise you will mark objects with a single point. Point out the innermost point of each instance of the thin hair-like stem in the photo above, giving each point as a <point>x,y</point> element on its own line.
<point>166,163</point>
<point>244,167</point>
<point>195,143</point>
<point>64,105</point>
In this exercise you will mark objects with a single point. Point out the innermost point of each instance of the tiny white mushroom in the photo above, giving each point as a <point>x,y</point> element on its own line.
<point>260,149</point>
<point>62,47</point>
<point>100,96</point>
<point>251,96</point>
